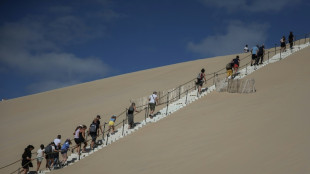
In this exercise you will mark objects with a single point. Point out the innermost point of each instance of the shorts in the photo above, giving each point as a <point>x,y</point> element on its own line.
<point>236,66</point>
<point>254,56</point>
<point>229,72</point>
<point>152,106</point>
<point>283,44</point>
<point>93,137</point>
<point>64,151</point>
<point>111,123</point>
<point>39,159</point>
<point>77,141</point>
<point>199,82</point>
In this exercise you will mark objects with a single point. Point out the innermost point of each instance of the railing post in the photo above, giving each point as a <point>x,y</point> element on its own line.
<point>106,143</point>
<point>268,56</point>
<point>126,115</point>
<point>145,115</point>
<point>305,38</point>
<point>80,151</point>
<point>167,103</point>
<point>280,54</point>
<point>103,130</point>
<point>179,92</point>
<point>275,49</point>
<point>123,127</point>
<point>246,69</point>
<point>186,97</point>
<point>214,78</point>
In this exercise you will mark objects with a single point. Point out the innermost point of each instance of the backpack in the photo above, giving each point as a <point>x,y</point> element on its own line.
<point>48,149</point>
<point>228,66</point>
<point>92,128</point>
<point>199,77</point>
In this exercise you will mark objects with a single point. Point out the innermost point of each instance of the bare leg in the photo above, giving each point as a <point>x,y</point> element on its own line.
<point>38,166</point>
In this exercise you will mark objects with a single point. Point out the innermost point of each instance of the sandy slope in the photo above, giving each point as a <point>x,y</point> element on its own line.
<point>39,118</point>
<point>266,132</point>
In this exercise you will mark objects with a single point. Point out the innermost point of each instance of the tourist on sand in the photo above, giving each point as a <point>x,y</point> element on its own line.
<point>77,138</point>
<point>260,54</point>
<point>153,100</point>
<point>26,159</point>
<point>229,68</point>
<point>201,76</point>
<point>254,54</point>
<point>236,64</point>
<point>132,108</point>
<point>94,131</point>
<point>291,39</point>
<point>49,150</point>
<point>64,151</point>
<point>40,155</point>
<point>246,49</point>
<point>283,44</point>
<point>111,124</point>
<point>57,142</point>
<point>82,137</point>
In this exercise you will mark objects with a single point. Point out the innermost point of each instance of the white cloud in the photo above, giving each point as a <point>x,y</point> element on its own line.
<point>33,47</point>
<point>250,5</point>
<point>237,35</point>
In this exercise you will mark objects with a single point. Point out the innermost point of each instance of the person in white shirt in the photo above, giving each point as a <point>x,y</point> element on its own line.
<point>246,49</point>
<point>40,153</point>
<point>152,103</point>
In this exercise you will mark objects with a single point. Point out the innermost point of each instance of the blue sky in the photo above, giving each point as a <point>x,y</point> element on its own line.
<point>46,45</point>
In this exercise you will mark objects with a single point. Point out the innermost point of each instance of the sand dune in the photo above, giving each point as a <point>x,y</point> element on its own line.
<point>265,132</point>
<point>39,118</point>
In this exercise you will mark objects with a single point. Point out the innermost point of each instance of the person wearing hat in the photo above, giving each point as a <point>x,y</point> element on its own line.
<point>26,159</point>
<point>152,103</point>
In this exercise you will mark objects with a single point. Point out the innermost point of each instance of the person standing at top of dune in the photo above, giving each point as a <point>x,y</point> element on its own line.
<point>201,76</point>
<point>254,54</point>
<point>260,54</point>
<point>291,40</point>
<point>153,100</point>
<point>283,44</point>
<point>246,49</point>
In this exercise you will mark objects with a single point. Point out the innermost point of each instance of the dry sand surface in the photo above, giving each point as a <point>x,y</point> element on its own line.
<point>265,132</point>
<point>39,118</point>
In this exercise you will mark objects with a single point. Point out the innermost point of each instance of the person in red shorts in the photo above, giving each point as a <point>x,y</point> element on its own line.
<point>236,64</point>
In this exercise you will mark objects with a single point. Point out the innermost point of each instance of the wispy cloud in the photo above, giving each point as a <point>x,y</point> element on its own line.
<point>250,5</point>
<point>34,46</point>
<point>232,41</point>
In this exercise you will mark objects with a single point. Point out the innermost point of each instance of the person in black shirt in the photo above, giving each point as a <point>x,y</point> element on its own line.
<point>132,108</point>
<point>26,159</point>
